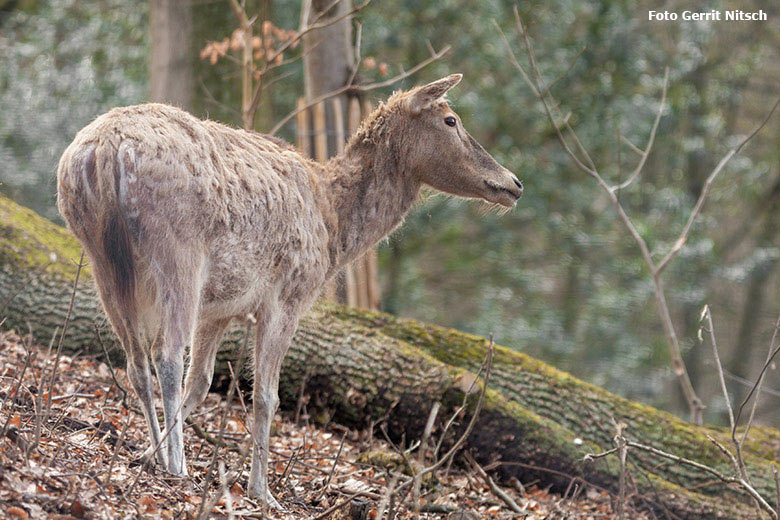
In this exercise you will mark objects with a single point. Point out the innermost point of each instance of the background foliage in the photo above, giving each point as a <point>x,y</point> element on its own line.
<point>559,277</point>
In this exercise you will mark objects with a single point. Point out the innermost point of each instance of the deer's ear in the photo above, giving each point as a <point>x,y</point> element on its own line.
<point>424,96</point>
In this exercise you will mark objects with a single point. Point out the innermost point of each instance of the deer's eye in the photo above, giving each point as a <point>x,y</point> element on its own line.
<point>450,121</point>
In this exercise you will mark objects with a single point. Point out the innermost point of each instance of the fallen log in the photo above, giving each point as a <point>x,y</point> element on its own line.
<point>361,366</point>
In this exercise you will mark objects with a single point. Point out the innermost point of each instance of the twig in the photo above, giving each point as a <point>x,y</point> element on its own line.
<point>421,455</point>
<point>338,505</point>
<point>777,491</point>
<point>301,395</point>
<point>705,189</point>
<point>744,485</point>
<point>111,368</point>
<point>454,449</point>
<point>590,457</point>
<point>322,491</point>
<point>43,411</point>
<point>118,447</point>
<point>644,153</point>
<point>12,395</point>
<point>39,398</point>
<point>455,415</point>
<point>620,443</point>
<point>706,314</point>
<point>356,61</point>
<point>397,449</point>
<point>500,493</point>
<point>359,88</point>
<point>151,457</point>
<point>772,352</point>
<point>536,83</point>
<point>271,59</point>
<point>564,73</point>
<point>204,512</point>
<point>226,490</point>
<point>282,479</point>
<point>64,329</point>
<point>214,458</point>
<point>386,498</point>
<point>206,436</point>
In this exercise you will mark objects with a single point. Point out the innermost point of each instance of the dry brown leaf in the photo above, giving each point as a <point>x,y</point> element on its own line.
<point>17,512</point>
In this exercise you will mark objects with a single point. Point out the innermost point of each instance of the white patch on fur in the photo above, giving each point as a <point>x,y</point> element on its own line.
<point>127,178</point>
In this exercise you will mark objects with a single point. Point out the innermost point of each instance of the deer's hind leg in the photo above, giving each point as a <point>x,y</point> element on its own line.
<point>179,279</point>
<point>125,325</point>
<point>203,353</point>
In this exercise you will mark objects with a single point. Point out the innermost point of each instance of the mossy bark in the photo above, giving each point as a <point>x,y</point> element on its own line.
<point>361,366</point>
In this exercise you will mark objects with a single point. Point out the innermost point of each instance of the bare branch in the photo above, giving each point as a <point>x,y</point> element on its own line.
<point>644,153</point>
<point>705,190</point>
<point>421,455</point>
<point>777,491</point>
<point>436,465</point>
<point>631,145</point>
<point>332,469</point>
<point>356,62</point>
<point>565,72</point>
<point>117,447</point>
<point>359,88</point>
<point>707,314</point>
<point>269,61</point>
<point>620,443</point>
<point>537,84</point>
<point>500,493</point>
<point>758,384</point>
<point>10,397</point>
<point>756,387</point>
<point>111,368</point>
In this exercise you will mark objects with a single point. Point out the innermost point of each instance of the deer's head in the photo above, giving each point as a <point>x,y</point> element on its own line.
<point>440,152</point>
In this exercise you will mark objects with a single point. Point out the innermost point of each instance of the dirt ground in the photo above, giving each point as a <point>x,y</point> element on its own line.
<point>84,463</point>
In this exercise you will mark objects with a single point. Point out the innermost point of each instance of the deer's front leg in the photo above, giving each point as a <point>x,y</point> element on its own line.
<point>273,340</point>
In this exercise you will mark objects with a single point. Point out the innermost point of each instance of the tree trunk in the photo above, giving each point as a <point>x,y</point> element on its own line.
<point>328,62</point>
<point>170,65</point>
<point>327,58</point>
<point>361,366</point>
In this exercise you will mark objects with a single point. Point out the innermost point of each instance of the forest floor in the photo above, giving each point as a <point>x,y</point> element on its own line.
<point>84,464</point>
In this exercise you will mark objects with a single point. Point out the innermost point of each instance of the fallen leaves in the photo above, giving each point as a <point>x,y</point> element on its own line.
<point>67,475</point>
<point>17,512</point>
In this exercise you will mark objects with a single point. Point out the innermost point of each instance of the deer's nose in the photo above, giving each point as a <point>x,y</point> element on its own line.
<point>518,183</point>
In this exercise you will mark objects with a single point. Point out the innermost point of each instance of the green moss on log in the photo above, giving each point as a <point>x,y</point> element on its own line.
<point>32,242</point>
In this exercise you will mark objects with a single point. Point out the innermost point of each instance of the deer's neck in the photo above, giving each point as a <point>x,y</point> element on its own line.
<point>370,193</point>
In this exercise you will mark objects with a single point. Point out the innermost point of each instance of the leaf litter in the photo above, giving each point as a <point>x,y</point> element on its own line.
<point>85,464</point>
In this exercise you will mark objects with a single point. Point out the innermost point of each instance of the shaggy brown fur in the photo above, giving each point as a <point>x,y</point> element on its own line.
<point>189,224</point>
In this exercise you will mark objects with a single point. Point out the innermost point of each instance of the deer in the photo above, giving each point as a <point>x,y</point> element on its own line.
<point>188,224</point>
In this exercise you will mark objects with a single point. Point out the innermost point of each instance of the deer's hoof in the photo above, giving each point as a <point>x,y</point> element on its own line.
<point>268,500</point>
<point>150,459</point>
<point>271,502</point>
<point>181,473</point>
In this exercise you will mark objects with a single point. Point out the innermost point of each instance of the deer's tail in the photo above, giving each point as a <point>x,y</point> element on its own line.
<point>90,177</point>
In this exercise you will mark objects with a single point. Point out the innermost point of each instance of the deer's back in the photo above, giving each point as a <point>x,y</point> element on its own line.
<point>246,203</point>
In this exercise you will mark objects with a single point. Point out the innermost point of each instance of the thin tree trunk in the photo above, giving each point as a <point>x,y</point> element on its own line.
<point>328,62</point>
<point>363,366</point>
<point>327,59</point>
<point>170,65</point>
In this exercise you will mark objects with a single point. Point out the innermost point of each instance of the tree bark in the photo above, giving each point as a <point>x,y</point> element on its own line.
<point>170,65</point>
<point>328,62</point>
<point>361,366</point>
<point>327,58</point>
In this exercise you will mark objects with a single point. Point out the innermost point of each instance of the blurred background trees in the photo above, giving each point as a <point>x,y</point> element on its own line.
<point>558,278</point>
